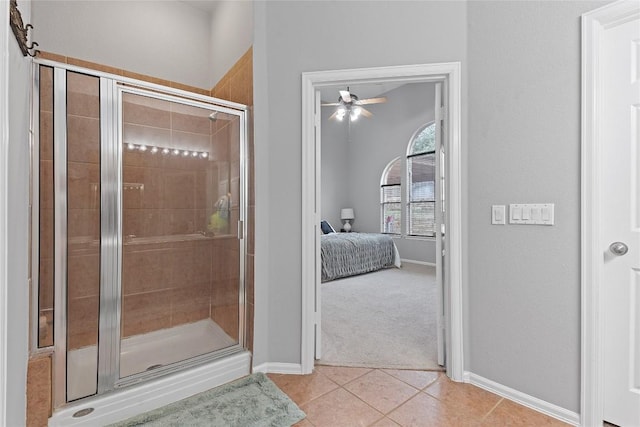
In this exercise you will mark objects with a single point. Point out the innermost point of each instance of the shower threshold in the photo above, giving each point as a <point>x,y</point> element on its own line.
<point>146,352</point>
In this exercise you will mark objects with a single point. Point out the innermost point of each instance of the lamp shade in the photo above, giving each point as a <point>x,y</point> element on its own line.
<point>347,213</point>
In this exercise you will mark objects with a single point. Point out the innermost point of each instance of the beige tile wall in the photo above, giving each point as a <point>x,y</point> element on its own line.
<point>38,391</point>
<point>237,86</point>
<point>45,302</point>
<point>83,198</point>
<point>168,283</point>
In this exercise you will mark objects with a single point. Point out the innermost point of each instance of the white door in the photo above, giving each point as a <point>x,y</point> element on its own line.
<point>440,215</point>
<point>620,227</point>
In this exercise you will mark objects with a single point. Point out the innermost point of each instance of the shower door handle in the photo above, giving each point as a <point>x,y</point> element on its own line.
<point>240,229</point>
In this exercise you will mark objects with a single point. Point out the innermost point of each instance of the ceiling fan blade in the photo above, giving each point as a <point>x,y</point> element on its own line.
<point>345,95</point>
<point>380,100</point>
<point>332,104</point>
<point>365,112</point>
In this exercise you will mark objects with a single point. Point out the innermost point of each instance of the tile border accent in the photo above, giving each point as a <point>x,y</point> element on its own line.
<point>531,402</point>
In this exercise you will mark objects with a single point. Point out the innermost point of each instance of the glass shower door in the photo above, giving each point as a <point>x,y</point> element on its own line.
<point>181,198</point>
<point>138,248</point>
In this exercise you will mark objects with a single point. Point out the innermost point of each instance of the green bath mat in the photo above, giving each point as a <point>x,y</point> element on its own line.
<point>253,401</point>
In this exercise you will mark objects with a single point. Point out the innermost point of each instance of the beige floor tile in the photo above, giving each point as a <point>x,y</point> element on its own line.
<point>303,388</point>
<point>509,413</point>
<point>381,390</point>
<point>426,411</point>
<point>417,379</point>
<point>341,375</point>
<point>471,399</point>
<point>386,422</point>
<point>339,408</point>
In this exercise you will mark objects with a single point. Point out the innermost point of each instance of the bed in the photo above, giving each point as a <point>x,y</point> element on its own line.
<point>348,254</point>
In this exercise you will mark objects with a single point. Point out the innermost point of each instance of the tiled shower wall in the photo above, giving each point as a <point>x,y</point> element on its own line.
<point>237,86</point>
<point>174,271</point>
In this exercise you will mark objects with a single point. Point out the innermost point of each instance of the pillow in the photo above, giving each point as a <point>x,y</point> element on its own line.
<point>326,227</point>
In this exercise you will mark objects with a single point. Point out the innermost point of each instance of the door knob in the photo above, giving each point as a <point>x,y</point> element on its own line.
<point>618,248</point>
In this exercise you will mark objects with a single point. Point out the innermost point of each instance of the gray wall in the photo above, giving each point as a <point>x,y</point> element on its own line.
<point>521,284</point>
<point>290,38</point>
<point>231,35</point>
<point>523,146</point>
<point>17,315</point>
<point>165,39</point>
<point>374,143</point>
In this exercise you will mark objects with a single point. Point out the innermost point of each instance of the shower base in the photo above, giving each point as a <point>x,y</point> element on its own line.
<point>141,352</point>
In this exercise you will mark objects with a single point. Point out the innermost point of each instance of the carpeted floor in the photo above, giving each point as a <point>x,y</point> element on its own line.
<point>385,319</point>
<point>253,401</point>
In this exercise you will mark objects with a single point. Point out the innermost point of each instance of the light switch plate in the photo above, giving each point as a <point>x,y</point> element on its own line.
<point>498,215</point>
<point>531,214</point>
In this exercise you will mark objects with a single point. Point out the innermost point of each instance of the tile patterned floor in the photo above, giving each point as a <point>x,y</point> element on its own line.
<point>345,397</point>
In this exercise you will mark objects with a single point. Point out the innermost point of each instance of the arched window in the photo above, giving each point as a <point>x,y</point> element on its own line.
<point>421,172</point>
<point>391,198</point>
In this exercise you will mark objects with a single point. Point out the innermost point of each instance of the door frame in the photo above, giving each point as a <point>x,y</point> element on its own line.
<point>594,23</point>
<point>311,81</point>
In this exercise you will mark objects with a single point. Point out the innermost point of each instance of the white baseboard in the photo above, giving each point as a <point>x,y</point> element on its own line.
<point>534,403</point>
<point>279,368</point>
<point>411,261</point>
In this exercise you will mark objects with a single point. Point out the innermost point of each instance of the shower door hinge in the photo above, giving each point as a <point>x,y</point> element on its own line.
<point>240,230</point>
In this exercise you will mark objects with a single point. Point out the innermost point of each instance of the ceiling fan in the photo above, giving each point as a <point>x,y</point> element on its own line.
<point>350,105</point>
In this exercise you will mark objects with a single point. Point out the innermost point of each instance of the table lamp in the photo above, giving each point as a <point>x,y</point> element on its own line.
<point>347,214</point>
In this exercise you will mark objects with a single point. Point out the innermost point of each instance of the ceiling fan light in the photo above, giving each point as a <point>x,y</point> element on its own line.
<point>354,116</point>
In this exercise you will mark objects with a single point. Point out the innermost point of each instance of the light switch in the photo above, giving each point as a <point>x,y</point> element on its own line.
<point>526,212</point>
<point>516,212</point>
<point>498,216</point>
<point>535,214</point>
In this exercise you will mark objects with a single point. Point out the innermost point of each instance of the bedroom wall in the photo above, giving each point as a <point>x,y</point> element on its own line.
<point>374,142</point>
<point>336,166</point>
<point>292,37</point>
<point>165,39</point>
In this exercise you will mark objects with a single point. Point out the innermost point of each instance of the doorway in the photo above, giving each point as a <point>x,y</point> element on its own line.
<point>610,145</point>
<point>380,166</point>
<point>449,75</point>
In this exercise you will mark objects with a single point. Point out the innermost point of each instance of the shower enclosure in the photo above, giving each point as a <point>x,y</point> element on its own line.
<point>138,205</point>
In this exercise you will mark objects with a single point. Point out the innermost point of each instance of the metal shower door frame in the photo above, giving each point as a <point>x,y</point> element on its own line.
<point>112,89</point>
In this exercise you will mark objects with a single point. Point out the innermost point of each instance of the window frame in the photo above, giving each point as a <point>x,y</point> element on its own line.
<point>409,187</point>
<point>383,203</point>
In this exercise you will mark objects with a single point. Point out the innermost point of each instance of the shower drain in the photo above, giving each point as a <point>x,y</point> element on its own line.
<point>83,412</point>
<point>154,367</point>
